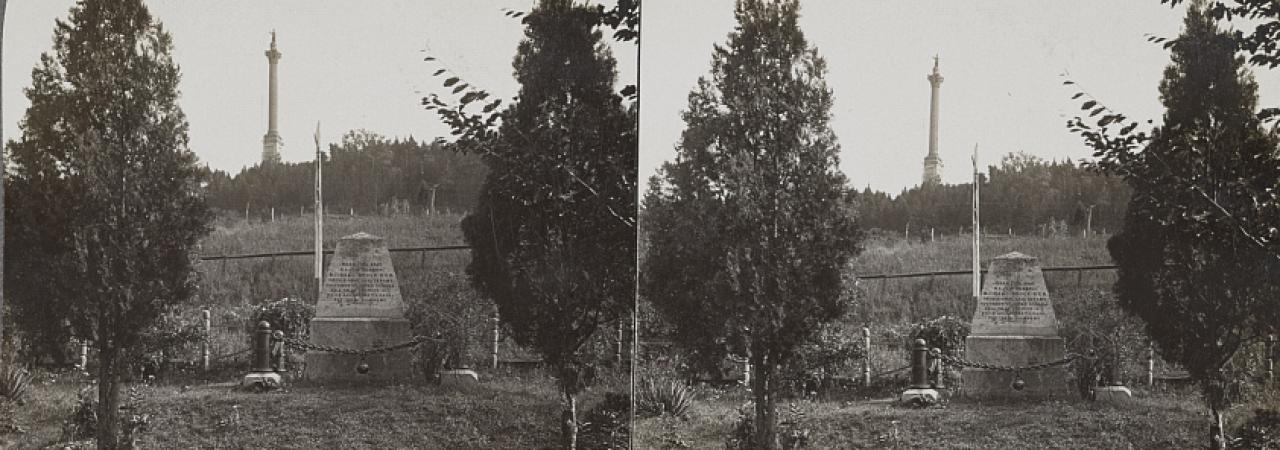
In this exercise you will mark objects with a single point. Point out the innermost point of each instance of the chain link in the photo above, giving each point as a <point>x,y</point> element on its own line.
<point>351,351</point>
<point>951,360</point>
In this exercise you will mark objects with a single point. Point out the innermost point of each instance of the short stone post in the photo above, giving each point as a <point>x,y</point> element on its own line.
<point>866,356</point>
<point>920,365</point>
<point>205,342</point>
<point>920,393</point>
<point>260,373</point>
<point>277,352</point>
<point>262,348</point>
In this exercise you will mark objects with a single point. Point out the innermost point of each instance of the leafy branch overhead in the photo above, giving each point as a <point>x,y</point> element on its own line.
<point>1119,144</point>
<point>474,115</point>
<point>1262,44</point>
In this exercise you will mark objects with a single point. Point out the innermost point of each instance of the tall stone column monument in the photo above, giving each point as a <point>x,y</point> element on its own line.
<point>271,142</point>
<point>1014,326</point>
<point>932,161</point>
<point>360,307</point>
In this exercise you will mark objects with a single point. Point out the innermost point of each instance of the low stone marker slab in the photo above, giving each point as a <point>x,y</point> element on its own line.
<point>459,378</point>
<point>360,307</point>
<point>1014,326</point>
<point>1116,395</point>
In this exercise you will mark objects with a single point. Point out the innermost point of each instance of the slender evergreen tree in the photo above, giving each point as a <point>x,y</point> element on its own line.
<point>105,201</point>
<point>553,236</point>
<point>752,226</point>
<point>1190,266</point>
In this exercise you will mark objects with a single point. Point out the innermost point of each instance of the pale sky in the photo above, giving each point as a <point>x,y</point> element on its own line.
<point>1001,60</point>
<point>348,65</point>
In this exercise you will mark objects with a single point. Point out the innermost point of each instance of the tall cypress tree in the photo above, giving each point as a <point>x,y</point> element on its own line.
<point>751,227</point>
<point>105,200</point>
<point>553,236</point>
<point>1189,266</point>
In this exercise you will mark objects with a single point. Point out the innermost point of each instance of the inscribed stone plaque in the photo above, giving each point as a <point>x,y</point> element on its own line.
<point>360,281</point>
<point>1015,301</point>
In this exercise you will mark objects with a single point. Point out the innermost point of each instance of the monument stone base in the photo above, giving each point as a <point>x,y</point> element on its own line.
<point>1015,351</point>
<point>262,380</point>
<point>920,397</point>
<point>359,333</point>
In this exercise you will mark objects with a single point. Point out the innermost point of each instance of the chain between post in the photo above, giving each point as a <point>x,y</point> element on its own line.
<point>951,360</point>
<point>350,351</point>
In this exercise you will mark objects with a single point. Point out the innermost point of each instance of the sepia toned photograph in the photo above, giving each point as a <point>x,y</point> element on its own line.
<point>315,225</point>
<point>926,224</point>
<point>584,224</point>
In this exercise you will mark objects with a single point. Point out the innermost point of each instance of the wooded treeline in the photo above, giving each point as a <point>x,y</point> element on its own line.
<point>1024,194</point>
<point>364,172</point>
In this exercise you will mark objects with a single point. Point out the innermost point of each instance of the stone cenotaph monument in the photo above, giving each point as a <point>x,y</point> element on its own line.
<point>360,307</point>
<point>1014,326</point>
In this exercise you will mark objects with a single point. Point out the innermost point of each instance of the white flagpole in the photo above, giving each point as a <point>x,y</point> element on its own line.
<point>319,213</point>
<point>977,231</point>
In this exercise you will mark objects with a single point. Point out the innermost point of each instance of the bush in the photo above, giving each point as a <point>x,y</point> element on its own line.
<point>288,315</point>
<point>835,349</point>
<point>83,422</point>
<point>1260,432</point>
<point>15,383</point>
<point>655,397</point>
<point>946,333</point>
<point>1111,341</point>
<point>793,432</point>
<point>607,425</point>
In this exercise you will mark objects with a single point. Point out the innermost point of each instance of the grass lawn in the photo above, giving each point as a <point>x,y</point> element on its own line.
<point>506,412</point>
<point>1164,422</point>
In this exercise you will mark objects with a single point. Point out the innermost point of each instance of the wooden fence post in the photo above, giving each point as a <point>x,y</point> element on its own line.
<point>1271,364</point>
<point>866,357</point>
<point>1151,364</point>
<point>496,337</point>
<point>617,351</point>
<point>205,343</point>
<point>82,363</point>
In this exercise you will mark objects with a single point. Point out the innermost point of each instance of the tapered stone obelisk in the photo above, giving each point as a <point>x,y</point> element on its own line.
<point>931,161</point>
<point>1014,325</point>
<point>360,308</point>
<point>271,142</point>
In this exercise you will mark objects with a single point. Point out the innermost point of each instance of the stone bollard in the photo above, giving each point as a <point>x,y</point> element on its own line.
<point>260,374</point>
<point>919,393</point>
<point>920,365</point>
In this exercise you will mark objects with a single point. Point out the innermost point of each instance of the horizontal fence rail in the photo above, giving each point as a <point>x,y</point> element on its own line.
<point>329,252</point>
<point>885,276</point>
<point>880,276</point>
